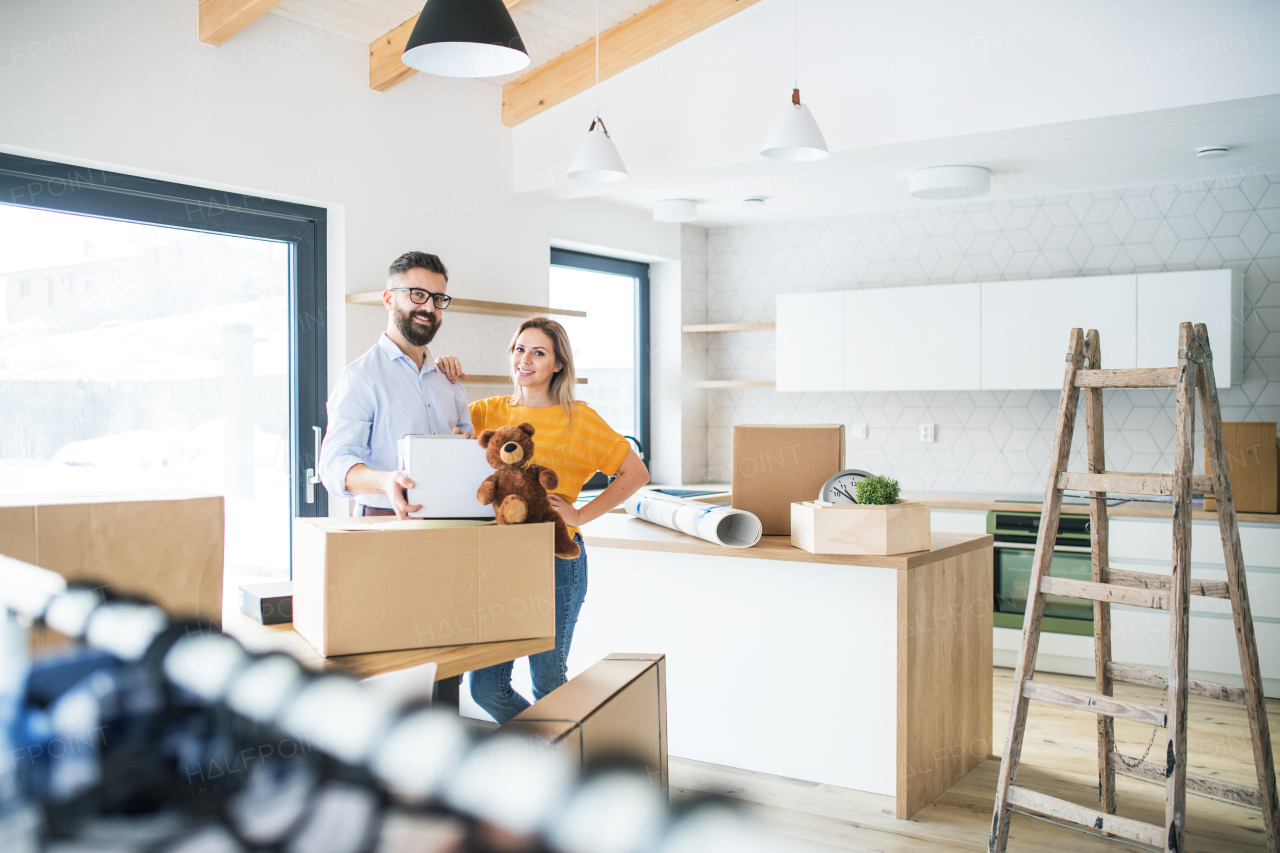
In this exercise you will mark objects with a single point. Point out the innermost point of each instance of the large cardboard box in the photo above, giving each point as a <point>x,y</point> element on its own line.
<point>371,585</point>
<point>776,466</point>
<point>165,546</point>
<point>1253,451</point>
<point>616,708</point>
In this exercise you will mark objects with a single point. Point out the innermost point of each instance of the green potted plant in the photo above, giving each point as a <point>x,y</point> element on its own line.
<point>880,523</point>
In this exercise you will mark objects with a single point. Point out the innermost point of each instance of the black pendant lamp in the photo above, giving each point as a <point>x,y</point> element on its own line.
<point>465,38</point>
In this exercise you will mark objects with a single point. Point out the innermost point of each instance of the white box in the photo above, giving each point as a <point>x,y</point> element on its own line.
<point>447,471</point>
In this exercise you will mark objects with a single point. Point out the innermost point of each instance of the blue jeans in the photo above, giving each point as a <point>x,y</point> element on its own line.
<point>491,686</point>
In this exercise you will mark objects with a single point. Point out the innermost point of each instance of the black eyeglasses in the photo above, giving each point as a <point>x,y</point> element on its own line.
<point>419,296</point>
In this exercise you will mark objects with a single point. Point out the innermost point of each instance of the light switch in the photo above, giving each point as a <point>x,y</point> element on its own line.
<point>859,430</point>
<point>926,433</point>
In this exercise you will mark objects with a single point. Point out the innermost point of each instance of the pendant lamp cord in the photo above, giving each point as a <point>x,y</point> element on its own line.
<point>597,60</point>
<point>795,44</point>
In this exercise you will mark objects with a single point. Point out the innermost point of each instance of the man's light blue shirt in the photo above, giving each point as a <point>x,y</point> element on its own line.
<point>381,397</point>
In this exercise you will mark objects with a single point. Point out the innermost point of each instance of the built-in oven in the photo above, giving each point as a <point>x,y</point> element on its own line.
<point>1015,543</point>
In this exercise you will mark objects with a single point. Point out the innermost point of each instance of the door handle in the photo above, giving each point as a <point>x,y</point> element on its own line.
<point>312,479</point>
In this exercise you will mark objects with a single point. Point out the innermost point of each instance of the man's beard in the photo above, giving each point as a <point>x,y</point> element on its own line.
<point>414,332</point>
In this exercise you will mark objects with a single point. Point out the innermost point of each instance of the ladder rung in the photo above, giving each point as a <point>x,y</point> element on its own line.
<point>1108,706</point>
<point>1134,484</point>
<point>1134,830</point>
<point>1110,593</point>
<point>1147,580</point>
<point>1134,377</point>
<point>1207,689</point>
<point>1200,784</point>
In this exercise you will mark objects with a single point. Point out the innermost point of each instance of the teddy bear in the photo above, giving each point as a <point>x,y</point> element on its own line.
<point>518,487</point>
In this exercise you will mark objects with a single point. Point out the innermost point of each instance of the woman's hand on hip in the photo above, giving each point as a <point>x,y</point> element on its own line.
<point>567,510</point>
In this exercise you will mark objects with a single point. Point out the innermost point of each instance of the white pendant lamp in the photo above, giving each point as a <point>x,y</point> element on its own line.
<point>597,160</point>
<point>795,135</point>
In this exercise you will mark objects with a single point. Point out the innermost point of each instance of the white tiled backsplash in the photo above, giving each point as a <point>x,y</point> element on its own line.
<point>986,440</point>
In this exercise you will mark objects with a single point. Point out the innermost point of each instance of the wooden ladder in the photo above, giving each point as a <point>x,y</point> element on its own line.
<point>1163,592</point>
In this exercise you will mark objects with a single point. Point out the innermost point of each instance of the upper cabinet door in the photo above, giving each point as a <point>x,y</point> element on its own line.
<point>1026,327</point>
<point>810,341</point>
<point>1212,297</point>
<point>912,338</point>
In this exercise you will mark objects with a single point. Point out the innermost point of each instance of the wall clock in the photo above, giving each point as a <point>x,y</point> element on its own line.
<point>840,488</point>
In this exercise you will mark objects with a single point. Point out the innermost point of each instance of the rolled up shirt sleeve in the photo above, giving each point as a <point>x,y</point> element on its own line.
<point>464,411</point>
<point>347,442</point>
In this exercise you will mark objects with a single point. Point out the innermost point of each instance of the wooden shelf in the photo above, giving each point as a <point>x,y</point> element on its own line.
<point>729,327</point>
<point>475,306</point>
<point>733,383</point>
<point>499,379</point>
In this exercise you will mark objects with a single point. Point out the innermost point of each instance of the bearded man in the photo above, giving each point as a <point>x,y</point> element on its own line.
<point>394,389</point>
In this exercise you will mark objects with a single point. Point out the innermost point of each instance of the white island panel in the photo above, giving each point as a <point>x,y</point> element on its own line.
<point>782,668</point>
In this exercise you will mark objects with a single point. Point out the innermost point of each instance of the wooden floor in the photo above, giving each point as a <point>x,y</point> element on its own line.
<point>1058,758</point>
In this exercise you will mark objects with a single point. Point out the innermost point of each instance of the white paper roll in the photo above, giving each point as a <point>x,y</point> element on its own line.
<point>723,525</point>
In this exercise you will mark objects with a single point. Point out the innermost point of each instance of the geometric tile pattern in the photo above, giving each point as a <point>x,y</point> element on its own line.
<point>988,440</point>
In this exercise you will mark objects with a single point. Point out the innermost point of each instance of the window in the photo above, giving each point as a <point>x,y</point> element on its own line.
<point>610,344</point>
<point>199,363</point>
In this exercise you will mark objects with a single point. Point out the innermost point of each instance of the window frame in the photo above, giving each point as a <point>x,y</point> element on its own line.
<point>62,187</point>
<point>639,271</point>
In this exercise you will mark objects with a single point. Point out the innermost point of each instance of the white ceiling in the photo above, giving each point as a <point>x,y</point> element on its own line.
<point>1054,98</point>
<point>549,27</point>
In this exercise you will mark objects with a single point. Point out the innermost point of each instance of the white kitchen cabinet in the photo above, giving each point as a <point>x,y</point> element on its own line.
<point>1212,297</point>
<point>912,339</point>
<point>1000,336</point>
<point>810,341</point>
<point>1026,326</point>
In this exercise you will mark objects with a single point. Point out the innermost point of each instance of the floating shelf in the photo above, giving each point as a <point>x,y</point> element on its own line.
<point>475,306</point>
<point>729,327</point>
<point>499,379</point>
<point>733,383</point>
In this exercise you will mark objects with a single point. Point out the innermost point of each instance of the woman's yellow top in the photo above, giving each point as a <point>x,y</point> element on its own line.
<point>574,451</point>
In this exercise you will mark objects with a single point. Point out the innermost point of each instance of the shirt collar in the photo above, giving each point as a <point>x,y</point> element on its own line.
<point>393,352</point>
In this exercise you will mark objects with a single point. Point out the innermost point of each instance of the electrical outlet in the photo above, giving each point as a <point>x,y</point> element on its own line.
<point>926,433</point>
<point>859,430</point>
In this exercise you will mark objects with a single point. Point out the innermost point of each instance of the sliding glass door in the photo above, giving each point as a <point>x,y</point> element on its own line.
<point>154,336</point>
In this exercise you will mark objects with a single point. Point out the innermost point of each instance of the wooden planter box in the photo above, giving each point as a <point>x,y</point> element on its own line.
<point>823,528</point>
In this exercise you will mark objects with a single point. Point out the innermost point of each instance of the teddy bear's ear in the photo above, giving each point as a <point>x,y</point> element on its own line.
<point>484,437</point>
<point>526,427</point>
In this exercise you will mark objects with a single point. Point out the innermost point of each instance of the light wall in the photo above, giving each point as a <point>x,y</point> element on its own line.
<point>284,110</point>
<point>986,440</point>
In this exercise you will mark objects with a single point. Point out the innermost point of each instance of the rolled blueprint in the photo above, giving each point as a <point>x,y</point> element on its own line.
<point>723,525</point>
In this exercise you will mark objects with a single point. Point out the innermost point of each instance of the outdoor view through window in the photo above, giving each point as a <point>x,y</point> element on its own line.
<point>604,342</point>
<point>137,357</point>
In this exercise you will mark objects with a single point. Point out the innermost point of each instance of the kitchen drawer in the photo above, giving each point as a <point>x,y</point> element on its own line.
<point>1140,637</point>
<point>1152,539</point>
<point>958,520</point>
<point>1264,587</point>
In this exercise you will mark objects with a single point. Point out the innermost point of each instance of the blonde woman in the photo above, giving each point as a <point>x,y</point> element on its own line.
<point>571,439</point>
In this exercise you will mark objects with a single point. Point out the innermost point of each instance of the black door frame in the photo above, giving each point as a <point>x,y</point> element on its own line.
<point>44,184</point>
<point>639,271</point>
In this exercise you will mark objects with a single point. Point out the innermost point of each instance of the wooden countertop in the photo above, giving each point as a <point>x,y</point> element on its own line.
<point>612,530</point>
<point>450,660</point>
<point>1132,509</point>
<point>998,500</point>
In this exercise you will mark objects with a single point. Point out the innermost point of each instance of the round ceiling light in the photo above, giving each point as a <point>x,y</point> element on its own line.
<point>465,38</point>
<point>675,210</point>
<point>949,182</point>
<point>1210,152</point>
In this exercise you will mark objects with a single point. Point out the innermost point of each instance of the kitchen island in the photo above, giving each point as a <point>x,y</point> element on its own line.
<point>872,673</point>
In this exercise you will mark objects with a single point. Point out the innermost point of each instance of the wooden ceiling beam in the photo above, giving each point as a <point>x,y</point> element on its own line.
<point>219,20</point>
<point>662,25</point>
<point>386,69</point>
